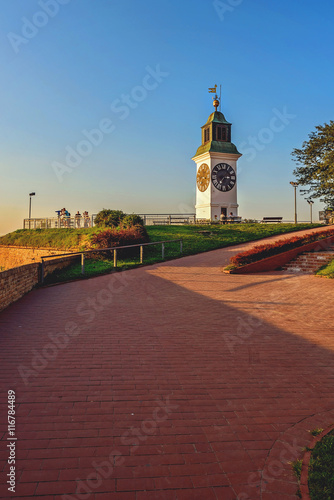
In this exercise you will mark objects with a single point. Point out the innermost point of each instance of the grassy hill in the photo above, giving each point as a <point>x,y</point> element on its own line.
<point>196,238</point>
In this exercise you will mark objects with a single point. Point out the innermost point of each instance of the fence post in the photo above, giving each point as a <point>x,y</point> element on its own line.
<point>82,263</point>
<point>42,272</point>
<point>141,253</point>
<point>181,246</point>
<point>115,257</point>
<point>163,250</point>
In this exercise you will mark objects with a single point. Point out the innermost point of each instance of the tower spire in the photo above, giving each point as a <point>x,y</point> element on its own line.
<point>213,90</point>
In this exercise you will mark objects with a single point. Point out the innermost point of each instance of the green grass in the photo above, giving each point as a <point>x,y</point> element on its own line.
<point>297,468</point>
<point>196,239</point>
<point>321,469</point>
<point>327,270</point>
<point>316,431</point>
<point>219,236</point>
<point>92,268</point>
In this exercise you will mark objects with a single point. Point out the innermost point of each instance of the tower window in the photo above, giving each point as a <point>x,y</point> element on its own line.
<point>206,135</point>
<point>221,134</point>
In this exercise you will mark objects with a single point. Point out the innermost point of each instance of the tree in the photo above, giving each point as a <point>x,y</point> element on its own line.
<point>315,164</point>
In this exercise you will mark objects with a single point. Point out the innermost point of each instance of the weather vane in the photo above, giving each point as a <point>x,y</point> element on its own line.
<point>213,90</point>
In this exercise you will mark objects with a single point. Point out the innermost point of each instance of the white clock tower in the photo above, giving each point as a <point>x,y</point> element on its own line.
<point>216,162</point>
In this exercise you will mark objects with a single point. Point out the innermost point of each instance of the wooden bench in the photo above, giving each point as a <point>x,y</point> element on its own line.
<point>236,219</point>
<point>160,222</point>
<point>272,219</point>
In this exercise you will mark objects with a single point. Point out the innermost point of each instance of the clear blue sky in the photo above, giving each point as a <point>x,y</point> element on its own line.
<point>87,55</point>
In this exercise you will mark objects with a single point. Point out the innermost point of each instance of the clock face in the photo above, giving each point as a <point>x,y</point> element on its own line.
<point>223,177</point>
<point>203,177</point>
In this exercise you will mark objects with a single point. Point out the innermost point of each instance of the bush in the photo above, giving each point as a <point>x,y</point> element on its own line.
<point>263,251</point>
<point>132,220</point>
<point>109,218</point>
<point>113,237</point>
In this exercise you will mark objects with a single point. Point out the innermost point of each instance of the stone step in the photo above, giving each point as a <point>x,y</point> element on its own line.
<point>309,262</point>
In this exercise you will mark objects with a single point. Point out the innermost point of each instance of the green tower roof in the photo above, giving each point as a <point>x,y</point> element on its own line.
<point>217,117</point>
<point>217,147</point>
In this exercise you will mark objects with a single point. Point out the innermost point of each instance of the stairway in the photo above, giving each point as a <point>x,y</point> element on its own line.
<point>309,262</point>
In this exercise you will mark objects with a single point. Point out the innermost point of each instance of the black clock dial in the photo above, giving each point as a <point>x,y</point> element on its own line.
<point>223,177</point>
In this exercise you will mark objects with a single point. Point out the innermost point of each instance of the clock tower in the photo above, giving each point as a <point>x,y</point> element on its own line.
<point>216,166</point>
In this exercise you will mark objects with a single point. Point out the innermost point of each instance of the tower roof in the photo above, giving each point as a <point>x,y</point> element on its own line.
<point>217,117</point>
<point>217,147</point>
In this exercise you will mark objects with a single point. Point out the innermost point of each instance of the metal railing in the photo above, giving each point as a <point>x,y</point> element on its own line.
<point>113,249</point>
<point>168,219</point>
<point>149,220</point>
<point>58,222</point>
<point>84,222</point>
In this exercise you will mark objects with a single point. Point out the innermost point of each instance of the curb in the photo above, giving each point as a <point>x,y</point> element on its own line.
<point>304,490</point>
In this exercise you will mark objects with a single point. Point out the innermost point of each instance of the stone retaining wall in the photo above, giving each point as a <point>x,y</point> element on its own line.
<point>14,256</point>
<point>16,282</point>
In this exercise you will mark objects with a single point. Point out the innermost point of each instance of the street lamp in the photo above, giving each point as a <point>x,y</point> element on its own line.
<point>30,195</point>
<point>310,202</point>
<point>294,185</point>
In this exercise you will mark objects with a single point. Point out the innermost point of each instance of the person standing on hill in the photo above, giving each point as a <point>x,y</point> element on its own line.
<point>77,219</point>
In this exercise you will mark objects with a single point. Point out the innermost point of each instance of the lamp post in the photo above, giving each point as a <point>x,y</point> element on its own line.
<point>294,185</point>
<point>30,195</point>
<point>310,202</point>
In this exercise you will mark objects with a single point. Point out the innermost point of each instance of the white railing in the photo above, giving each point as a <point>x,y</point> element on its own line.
<point>58,222</point>
<point>82,222</point>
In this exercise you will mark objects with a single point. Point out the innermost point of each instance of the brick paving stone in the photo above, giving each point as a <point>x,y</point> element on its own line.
<point>177,380</point>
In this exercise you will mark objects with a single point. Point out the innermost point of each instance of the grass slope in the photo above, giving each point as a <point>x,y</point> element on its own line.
<point>61,239</point>
<point>216,236</point>
<point>195,241</point>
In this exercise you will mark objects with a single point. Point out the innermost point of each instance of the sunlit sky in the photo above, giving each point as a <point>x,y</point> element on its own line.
<point>140,71</point>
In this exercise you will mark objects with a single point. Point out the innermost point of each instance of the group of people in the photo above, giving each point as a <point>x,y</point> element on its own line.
<point>64,218</point>
<point>224,219</point>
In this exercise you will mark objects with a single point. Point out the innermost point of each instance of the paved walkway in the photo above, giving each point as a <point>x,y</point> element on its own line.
<point>172,382</point>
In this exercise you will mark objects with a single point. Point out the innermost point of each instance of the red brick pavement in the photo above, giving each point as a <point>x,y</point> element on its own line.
<point>173,381</point>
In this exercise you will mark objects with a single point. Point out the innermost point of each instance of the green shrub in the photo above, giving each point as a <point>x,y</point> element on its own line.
<point>132,220</point>
<point>113,237</point>
<point>109,218</point>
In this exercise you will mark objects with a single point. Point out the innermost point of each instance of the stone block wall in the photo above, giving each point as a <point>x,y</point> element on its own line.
<point>16,282</point>
<point>14,256</point>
